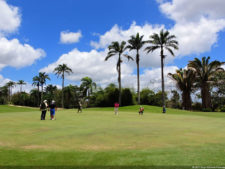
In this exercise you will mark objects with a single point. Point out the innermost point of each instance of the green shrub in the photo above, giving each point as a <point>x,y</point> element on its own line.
<point>197,106</point>
<point>127,97</point>
<point>222,109</point>
<point>21,99</point>
<point>207,110</point>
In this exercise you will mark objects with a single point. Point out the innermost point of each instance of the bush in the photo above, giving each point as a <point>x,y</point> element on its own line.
<point>111,96</point>
<point>127,97</point>
<point>22,99</point>
<point>158,98</point>
<point>222,109</point>
<point>3,100</point>
<point>197,106</point>
<point>147,96</point>
<point>207,110</point>
<point>100,101</point>
<point>174,102</point>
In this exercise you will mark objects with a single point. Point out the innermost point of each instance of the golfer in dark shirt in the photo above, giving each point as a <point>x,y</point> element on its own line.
<point>43,108</point>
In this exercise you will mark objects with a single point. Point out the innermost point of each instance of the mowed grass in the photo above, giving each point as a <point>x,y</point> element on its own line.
<point>97,137</point>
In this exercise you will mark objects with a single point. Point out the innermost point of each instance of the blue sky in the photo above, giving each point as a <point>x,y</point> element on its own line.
<point>40,24</point>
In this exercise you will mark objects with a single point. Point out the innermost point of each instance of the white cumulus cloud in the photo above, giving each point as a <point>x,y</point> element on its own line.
<point>70,37</point>
<point>3,80</point>
<point>197,23</point>
<point>197,38</point>
<point>193,11</point>
<point>117,33</point>
<point>15,54</point>
<point>150,78</point>
<point>9,18</point>
<point>16,88</point>
<point>90,64</point>
<point>12,52</point>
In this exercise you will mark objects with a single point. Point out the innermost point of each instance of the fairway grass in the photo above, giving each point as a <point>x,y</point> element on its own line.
<point>97,137</point>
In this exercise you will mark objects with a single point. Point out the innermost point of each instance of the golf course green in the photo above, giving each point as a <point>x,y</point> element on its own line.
<point>96,137</point>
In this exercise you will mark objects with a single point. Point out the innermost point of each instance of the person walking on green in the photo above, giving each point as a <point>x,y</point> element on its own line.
<point>79,107</point>
<point>141,110</point>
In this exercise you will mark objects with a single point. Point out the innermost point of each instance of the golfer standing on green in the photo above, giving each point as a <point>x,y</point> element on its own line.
<point>79,107</point>
<point>43,108</point>
<point>53,108</point>
<point>116,107</point>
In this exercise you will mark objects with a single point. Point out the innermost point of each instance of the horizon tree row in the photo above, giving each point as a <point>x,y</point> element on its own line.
<point>94,96</point>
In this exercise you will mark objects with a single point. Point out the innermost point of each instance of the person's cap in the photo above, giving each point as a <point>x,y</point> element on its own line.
<point>53,101</point>
<point>45,101</point>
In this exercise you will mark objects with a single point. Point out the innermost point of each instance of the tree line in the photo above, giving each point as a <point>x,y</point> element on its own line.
<point>92,95</point>
<point>88,93</point>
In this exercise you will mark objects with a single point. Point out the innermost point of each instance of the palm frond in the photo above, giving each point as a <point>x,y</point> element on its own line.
<point>109,56</point>
<point>128,57</point>
<point>151,48</point>
<point>170,51</point>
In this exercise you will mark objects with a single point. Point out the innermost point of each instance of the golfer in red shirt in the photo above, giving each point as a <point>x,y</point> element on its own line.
<point>116,107</point>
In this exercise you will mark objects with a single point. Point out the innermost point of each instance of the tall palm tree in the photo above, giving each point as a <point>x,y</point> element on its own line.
<point>114,49</point>
<point>50,92</point>
<point>205,72</point>
<point>36,82</point>
<point>71,96</point>
<point>87,85</point>
<point>184,79</point>
<point>162,41</point>
<point>50,89</point>
<point>21,83</point>
<point>136,43</point>
<point>43,77</point>
<point>4,93</point>
<point>10,85</point>
<point>34,96</point>
<point>60,70</point>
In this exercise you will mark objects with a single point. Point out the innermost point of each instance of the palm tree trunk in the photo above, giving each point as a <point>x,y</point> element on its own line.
<point>38,96</point>
<point>9,94</point>
<point>186,100</point>
<point>138,80</point>
<point>189,106</point>
<point>63,90</point>
<point>41,93</point>
<point>162,76</point>
<point>183,100</point>
<point>206,97</point>
<point>119,81</point>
